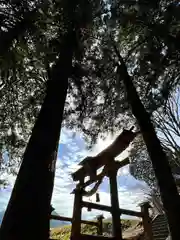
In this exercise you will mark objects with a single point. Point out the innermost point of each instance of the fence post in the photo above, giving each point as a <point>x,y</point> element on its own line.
<point>147,223</point>
<point>100,224</point>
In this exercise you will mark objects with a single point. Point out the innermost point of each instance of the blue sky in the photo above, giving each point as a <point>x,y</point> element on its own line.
<point>72,149</point>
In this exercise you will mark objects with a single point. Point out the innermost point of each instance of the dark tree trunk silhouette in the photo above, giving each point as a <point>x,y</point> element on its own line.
<point>27,214</point>
<point>168,190</point>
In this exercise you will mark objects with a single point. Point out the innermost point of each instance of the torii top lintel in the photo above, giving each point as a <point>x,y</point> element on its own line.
<point>112,151</point>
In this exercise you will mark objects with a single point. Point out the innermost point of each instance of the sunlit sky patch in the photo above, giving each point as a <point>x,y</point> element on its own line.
<point>72,149</point>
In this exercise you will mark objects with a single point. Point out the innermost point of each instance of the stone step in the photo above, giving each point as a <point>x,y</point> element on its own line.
<point>159,221</point>
<point>160,228</point>
<point>164,226</point>
<point>160,234</point>
<point>159,238</point>
<point>160,217</point>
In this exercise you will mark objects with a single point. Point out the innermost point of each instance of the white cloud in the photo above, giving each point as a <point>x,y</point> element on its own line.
<point>4,198</point>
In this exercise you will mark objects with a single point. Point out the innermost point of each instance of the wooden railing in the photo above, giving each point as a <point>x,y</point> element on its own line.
<point>144,214</point>
<point>97,223</point>
<point>109,209</point>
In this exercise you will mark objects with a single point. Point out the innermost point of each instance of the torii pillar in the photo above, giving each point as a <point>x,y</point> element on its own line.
<point>76,219</point>
<point>116,221</point>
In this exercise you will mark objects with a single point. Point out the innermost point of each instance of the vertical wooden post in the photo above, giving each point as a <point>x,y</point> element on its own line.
<point>76,219</point>
<point>116,221</point>
<point>147,221</point>
<point>100,224</point>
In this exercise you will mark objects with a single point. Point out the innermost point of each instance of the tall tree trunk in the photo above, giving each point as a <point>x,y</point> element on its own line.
<point>168,190</point>
<point>27,214</point>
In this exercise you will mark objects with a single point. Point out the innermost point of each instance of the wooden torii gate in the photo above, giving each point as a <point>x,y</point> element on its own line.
<point>90,165</point>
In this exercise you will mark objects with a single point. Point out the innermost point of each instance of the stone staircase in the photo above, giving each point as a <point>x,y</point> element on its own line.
<point>160,227</point>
